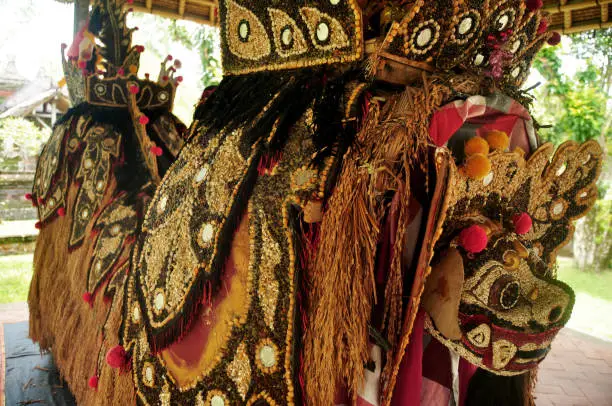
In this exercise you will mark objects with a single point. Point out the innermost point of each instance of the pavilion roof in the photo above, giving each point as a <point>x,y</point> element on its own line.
<point>568,16</point>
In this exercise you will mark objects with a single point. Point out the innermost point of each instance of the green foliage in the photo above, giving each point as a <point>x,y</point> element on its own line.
<point>15,276</point>
<point>206,40</point>
<point>20,140</point>
<point>577,104</point>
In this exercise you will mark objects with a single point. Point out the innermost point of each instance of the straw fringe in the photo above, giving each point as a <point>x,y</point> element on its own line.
<point>60,321</point>
<point>393,142</point>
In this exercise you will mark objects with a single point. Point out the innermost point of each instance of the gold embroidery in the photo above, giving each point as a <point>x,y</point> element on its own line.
<point>116,223</point>
<point>166,131</point>
<point>224,173</point>
<point>326,33</point>
<point>288,38</point>
<point>246,35</point>
<point>239,370</point>
<point>102,143</point>
<point>268,285</point>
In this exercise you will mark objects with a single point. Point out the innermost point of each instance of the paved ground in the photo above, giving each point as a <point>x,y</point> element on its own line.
<point>578,371</point>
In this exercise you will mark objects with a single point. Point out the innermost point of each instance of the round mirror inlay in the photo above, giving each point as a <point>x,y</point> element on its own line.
<point>466,25</point>
<point>287,36</point>
<point>244,30</point>
<point>267,356</point>
<point>322,31</point>
<point>217,401</point>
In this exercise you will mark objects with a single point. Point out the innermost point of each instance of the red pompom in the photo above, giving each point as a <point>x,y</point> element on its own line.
<point>144,120</point>
<point>120,71</point>
<point>543,27</point>
<point>157,151</point>
<point>165,78</point>
<point>82,64</point>
<point>474,239</point>
<point>555,39</point>
<point>130,1</point>
<point>64,46</point>
<point>134,89</point>
<point>179,79</point>
<point>28,196</point>
<point>522,223</point>
<point>88,298</point>
<point>140,48</point>
<point>38,225</point>
<point>93,382</point>
<point>169,58</point>
<point>533,5</point>
<point>116,357</point>
<point>61,212</point>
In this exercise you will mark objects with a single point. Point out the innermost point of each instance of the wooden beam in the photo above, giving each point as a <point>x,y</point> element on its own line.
<point>181,10</point>
<point>168,13</point>
<point>149,5</point>
<point>605,13</point>
<point>563,6</point>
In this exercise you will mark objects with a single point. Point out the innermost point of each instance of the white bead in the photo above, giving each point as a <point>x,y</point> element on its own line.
<point>516,46</point>
<point>334,2</point>
<point>267,355</point>
<point>558,209</point>
<point>479,59</point>
<point>160,301</point>
<point>502,22</point>
<point>466,25</point>
<point>488,179</point>
<point>424,37</point>
<point>217,401</point>
<point>136,314</point>
<point>243,30</point>
<point>322,31</point>
<point>207,233</point>
<point>516,72</point>
<point>163,202</point>
<point>287,36</point>
<point>149,374</point>
<point>201,175</point>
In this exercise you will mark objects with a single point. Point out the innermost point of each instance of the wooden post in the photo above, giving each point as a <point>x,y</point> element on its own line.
<point>81,12</point>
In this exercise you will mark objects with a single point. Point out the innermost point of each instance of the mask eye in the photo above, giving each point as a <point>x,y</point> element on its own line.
<point>505,293</point>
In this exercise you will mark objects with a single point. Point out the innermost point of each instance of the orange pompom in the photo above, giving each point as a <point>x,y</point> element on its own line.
<point>476,145</point>
<point>477,166</point>
<point>498,140</point>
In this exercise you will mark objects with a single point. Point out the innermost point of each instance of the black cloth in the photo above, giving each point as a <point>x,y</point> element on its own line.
<point>31,378</point>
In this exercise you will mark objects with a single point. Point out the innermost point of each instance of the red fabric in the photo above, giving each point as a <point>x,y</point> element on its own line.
<point>466,372</point>
<point>410,378</point>
<point>487,114</point>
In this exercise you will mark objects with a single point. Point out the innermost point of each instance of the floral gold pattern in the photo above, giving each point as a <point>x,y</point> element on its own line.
<point>103,144</point>
<point>116,224</point>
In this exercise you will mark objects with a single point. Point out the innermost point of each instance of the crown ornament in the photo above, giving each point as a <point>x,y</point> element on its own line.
<point>101,67</point>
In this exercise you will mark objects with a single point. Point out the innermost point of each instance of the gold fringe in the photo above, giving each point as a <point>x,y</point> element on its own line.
<point>392,143</point>
<point>60,321</point>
